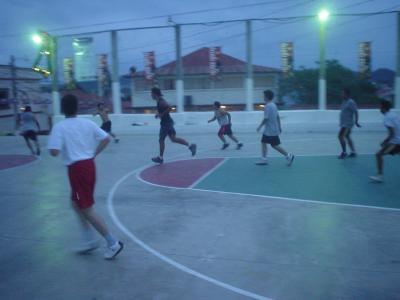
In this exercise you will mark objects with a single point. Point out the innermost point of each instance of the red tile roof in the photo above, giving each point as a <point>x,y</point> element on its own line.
<point>197,62</point>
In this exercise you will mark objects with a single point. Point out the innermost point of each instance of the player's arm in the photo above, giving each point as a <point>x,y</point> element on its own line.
<point>55,142</point>
<point>213,118</point>
<point>356,115</point>
<point>37,123</point>
<point>166,110</point>
<point>389,137</point>
<point>279,124</point>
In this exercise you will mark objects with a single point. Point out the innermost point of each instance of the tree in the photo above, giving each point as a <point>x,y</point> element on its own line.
<point>301,87</point>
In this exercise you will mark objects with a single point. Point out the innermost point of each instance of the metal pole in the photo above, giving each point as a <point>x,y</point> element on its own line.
<point>14,90</point>
<point>249,69</point>
<point>397,83</point>
<point>116,94</point>
<point>179,71</point>
<point>322,69</point>
<point>54,76</point>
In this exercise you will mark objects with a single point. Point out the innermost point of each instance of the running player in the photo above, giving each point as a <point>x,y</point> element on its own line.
<point>272,130</point>
<point>29,125</point>
<point>167,126</point>
<point>224,121</point>
<point>106,126</point>
<point>80,141</point>
<point>391,145</point>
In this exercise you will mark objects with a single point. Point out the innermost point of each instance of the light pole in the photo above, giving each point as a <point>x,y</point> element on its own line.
<point>323,17</point>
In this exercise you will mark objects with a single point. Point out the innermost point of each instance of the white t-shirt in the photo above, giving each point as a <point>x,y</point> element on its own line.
<point>271,115</point>
<point>222,118</point>
<point>77,138</point>
<point>392,119</point>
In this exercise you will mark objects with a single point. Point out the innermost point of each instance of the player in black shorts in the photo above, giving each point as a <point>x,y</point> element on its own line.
<point>167,126</point>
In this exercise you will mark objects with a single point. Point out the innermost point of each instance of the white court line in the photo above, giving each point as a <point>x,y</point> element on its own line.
<point>207,173</point>
<point>163,257</point>
<point>276,197</point>
<point>182,267</point>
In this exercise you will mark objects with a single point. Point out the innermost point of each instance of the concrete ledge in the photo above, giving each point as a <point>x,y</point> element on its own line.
<point>292,121</point>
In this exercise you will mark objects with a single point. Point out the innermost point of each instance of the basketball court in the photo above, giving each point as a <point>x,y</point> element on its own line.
<point>215,226</point>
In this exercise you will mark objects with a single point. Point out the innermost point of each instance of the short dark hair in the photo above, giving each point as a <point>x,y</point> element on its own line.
<point>27,108</point>
<point>69,105</point>
<point>386,104</point>
<point>217,104</point>
<point>156,91</point>
<point>269,94</point>
<point>347,91</point>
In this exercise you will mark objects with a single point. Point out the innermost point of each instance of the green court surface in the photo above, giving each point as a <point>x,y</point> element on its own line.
<point>318,178</point>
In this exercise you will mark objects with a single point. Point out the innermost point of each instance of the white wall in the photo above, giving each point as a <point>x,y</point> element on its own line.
<point>201,96</point>
<point>294,121</point>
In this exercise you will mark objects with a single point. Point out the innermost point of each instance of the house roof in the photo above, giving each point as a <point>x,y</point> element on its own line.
<point>197,62</point>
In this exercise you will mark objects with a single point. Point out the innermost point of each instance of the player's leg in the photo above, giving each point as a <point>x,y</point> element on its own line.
<point>350,142</point>
<point>341,135</point>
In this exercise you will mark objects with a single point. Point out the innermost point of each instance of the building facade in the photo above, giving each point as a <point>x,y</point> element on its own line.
<point>200,87</point>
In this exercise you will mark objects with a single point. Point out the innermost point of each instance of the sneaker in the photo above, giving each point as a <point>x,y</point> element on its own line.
<point>342,155</point>
<point>290,159</point>
<point>38,152</point>
<point>353,154</point>
<point>114,250</point>
<point>224,146</point>
<point>193,148</point>
<point>262,162</point>
<point>157,160</point>
<point>376,178</point>
<point>87,247</point>
<point>116,141</point>
<point>240,145</point>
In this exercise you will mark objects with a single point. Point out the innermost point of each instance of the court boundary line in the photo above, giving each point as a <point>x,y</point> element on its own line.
<point>201,178</point>
<point>269,196</point>
<point>177,265</point>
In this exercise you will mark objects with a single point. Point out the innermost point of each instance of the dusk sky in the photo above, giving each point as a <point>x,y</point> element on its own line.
<point>21,18</point>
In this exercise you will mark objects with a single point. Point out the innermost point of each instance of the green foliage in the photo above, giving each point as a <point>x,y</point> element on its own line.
<point>301,87</point>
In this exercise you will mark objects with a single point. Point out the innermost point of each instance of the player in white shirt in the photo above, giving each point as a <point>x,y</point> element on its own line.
<point>391,145</point>
<point>272,130</point>
<point>79,141</point>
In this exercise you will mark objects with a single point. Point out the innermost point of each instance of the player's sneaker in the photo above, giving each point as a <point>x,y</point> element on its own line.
<point>261,162</point>
<point>290,159</point>
<point>157,160</point>
<point>224,146</point>
<point>193,148</point>
<point>116,141</point>
<point>376,178</point>
<point>240,145</point>
<point>353,154</point>
<point>87,247</point>
<point>342,155</point>
<point>114,250</point>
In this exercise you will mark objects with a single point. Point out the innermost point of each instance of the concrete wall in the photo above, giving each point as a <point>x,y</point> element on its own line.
<point>202,96</point>
<point>294,121</point>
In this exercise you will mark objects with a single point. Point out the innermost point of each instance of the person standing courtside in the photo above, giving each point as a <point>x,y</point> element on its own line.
<point>348,117</point>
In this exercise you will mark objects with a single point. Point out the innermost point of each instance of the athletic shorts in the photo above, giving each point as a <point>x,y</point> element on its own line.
<point>391,149</point>
<point>82,178</point>
<point>167,130</point>
<point>106,126</point>
<point>345,131</point>
<point>272,140</point>
<point>225,129</point>
<point>30,134</point>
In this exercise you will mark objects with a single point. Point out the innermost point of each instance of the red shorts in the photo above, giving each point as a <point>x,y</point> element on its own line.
<point>82,178</point>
